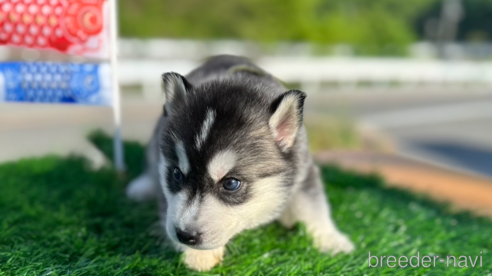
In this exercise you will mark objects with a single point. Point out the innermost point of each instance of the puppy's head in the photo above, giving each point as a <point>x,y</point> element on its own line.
<point>226,157</point>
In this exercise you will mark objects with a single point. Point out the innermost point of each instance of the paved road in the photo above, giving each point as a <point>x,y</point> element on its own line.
<point>28,130</point>
<point>449,128</point>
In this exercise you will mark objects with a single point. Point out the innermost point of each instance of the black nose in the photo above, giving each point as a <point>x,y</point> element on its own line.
<point>187,237</point>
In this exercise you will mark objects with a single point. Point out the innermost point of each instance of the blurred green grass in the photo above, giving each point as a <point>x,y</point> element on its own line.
<point>59,217</point>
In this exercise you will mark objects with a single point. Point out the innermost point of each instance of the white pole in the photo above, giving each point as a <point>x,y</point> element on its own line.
<point>113,51</point>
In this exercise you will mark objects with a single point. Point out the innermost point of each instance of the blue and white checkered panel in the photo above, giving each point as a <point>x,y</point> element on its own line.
<point>44,82</point>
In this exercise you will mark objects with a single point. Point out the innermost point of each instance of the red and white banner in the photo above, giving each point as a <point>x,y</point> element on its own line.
<point>76,27</point>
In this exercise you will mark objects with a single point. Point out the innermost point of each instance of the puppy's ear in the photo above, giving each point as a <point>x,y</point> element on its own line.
<point>176,87</point>
<point>286,118</point>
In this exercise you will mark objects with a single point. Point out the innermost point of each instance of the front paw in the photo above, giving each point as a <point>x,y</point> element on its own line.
<point>203,260</point>
<point>334,243</point>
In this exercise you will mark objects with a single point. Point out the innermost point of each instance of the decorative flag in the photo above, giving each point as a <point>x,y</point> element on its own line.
<point>76,27</point>
<point>45,82</point>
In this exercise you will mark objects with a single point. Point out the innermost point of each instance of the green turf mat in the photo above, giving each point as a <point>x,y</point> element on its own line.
<point>59,217</point>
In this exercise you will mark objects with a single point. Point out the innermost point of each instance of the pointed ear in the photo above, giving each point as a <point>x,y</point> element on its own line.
<point>286,118</point>
<point>176,87</point>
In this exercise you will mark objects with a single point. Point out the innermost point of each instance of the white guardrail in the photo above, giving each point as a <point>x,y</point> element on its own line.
<point>313,71</point>
<point>141,62</point>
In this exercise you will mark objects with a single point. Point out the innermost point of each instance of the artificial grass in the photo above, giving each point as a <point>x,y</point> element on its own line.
<point>59,217</point>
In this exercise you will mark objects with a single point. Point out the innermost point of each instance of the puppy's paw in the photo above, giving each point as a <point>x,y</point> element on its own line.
<point>334,243</point>
<point>142,188</point>
<point>203,260</point>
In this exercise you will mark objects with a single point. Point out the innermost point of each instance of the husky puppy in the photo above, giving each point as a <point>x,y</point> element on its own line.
<point>229,153</point>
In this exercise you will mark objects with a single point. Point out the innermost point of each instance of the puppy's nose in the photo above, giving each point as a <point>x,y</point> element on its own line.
<point>187,237</point>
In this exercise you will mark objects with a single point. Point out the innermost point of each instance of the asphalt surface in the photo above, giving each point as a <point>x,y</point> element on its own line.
<point>451,128</point>
<point>32,130</point>
<point>448,127</point>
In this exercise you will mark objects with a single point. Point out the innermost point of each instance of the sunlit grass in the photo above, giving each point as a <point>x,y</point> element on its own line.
<point>59,217</point>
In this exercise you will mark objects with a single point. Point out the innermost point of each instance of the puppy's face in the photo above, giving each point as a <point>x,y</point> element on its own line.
<point>225,155</point>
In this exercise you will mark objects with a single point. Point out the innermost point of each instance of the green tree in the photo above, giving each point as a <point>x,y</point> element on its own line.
<point>366,24</point>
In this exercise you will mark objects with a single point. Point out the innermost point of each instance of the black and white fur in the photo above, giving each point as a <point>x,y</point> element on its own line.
<point>229,118</point>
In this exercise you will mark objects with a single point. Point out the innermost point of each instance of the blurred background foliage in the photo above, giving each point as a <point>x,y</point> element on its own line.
<point>476,23</point>
<point>370,25</point>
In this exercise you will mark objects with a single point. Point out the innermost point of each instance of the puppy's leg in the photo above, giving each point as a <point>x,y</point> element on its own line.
<point>142,188</point>
<point>146,185</point>
<point>203,260</point>
<point>309,206</point>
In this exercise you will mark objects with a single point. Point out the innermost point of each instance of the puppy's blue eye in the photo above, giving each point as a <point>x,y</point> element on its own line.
<point>178,175</point>
<point>231,184</point>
